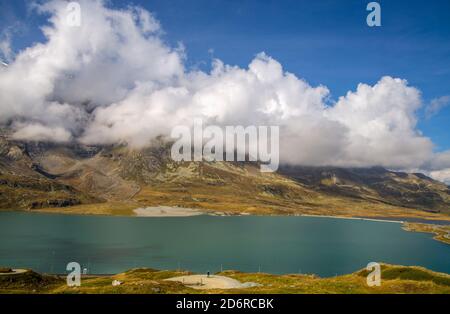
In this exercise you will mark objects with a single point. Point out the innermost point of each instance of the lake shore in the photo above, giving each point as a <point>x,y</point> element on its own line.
<point>354,218</point>
<point>166,211</point>
<point>441,233</point>
<point>131,209</point>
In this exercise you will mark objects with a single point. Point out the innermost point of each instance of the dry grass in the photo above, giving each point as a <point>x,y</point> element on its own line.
<point>394,279</point>
<point>231,199</point>
<point>287,199</point>
<point>107,209</point>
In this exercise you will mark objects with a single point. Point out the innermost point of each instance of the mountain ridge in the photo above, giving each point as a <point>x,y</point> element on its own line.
<point>101,179</point>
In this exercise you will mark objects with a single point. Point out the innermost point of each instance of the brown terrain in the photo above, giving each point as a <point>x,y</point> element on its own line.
<point>115,180</point>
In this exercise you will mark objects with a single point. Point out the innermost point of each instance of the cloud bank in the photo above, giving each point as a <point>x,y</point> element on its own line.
<point>113,79</point>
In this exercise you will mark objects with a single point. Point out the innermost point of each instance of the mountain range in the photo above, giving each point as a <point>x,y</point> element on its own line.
<point>116,179</point>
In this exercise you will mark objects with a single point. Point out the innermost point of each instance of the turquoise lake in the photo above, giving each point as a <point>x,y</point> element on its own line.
<point>106,245</point>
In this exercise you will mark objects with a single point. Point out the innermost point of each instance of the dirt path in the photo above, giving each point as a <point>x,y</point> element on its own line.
<point>211,282</point>
<point>14,272</point>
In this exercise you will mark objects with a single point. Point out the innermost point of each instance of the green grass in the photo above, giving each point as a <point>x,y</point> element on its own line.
<point>29,282</point>
<point>411,273</point>
<point>394,279</point>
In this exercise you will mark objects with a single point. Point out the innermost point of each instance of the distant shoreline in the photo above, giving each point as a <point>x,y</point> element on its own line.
<point>175,211</point>
<point>169,211</point>
<point>399,220</point>
<point>354,218</point>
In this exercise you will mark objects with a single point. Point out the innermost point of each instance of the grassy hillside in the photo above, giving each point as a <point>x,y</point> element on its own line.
<point>395,279</point>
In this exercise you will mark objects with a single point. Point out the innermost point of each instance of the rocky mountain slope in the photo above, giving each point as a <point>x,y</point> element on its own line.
<point>376,184</point>
<point>116,179</point>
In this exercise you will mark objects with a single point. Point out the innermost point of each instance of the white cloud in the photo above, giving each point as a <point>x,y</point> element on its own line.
<point>381,122</point>
<point>441,175</point>
<point>115,80</point>
<point>437,105</point>
<point>5,50</point>
<point>39,132</point>
<point>92,65</point>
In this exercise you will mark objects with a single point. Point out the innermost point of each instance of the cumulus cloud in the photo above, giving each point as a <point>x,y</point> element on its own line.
<point>80,68</point>
<point>115,80</point>
<point>381,120</point>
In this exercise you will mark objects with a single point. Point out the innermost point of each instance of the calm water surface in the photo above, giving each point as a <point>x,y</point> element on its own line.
<point>323,246</point>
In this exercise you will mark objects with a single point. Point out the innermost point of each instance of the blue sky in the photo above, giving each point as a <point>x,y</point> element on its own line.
<point>325,42</point>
